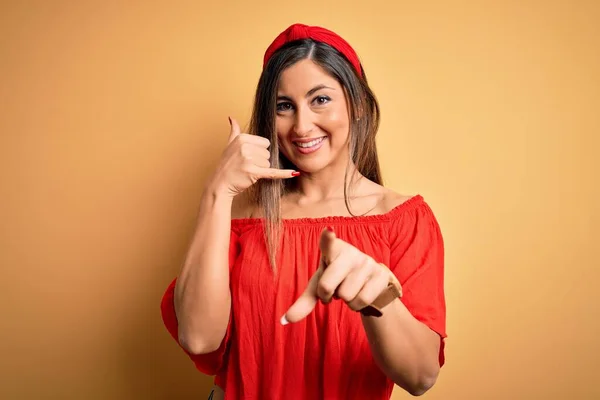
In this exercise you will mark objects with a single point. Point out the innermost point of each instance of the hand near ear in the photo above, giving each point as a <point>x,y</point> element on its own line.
<point>245,160</point>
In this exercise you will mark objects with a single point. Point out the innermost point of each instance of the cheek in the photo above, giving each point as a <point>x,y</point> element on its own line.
<point>282,139</point>
<point>282,127</point>
<point>336,121</point>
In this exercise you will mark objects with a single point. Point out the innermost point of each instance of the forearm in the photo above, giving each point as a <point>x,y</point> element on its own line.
<point>202,294</point>
<point>404,348</point>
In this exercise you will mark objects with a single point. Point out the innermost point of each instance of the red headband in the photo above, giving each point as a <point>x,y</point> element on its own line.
<point>318,34</point>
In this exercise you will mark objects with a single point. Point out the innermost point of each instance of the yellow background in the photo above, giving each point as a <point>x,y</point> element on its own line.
<point>113,113</point>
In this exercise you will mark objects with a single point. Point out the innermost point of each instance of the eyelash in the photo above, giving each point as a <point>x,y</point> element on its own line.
<point>287,103</point>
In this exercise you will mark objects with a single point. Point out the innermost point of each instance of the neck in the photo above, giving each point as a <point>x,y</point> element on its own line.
<point>327,184</point>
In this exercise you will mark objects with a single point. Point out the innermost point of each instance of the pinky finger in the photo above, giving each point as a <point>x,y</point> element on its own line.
<point>274,173</point>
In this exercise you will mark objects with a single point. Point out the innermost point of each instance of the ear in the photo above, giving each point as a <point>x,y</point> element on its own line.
<point>359,113</point>
<point>354,115</point>
<point>360,110</point>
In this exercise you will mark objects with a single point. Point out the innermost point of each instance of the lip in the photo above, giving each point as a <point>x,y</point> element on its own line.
<point>309,150</point>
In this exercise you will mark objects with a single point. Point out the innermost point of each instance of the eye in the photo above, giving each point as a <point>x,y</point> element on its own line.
<point>322,100</point>
<point>284,106</point>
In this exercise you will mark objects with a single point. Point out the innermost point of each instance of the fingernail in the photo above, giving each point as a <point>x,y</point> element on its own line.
<point>330,228</point>
<point>284,320</point>
<point>229,118</point>
<point>296,173</point>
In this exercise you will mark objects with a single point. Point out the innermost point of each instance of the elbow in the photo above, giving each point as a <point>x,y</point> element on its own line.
<point>418,383</point>
<point>420,389</point>
<point>200,338</point>
<point>420,386</point>
<point>195,345</point>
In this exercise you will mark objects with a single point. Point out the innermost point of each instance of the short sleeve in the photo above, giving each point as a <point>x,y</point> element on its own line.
<point>209,363</point>
<point>417,260</point>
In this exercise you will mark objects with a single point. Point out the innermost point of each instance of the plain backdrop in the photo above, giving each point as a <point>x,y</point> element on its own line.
<point>112,115</point>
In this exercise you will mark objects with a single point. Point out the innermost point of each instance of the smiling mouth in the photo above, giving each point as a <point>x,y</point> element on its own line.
<point>310,144</point>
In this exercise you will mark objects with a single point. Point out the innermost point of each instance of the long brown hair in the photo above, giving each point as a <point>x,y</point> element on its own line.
<point>364,123</point>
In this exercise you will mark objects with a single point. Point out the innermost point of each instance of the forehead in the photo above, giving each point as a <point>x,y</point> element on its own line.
<point>303,76</point>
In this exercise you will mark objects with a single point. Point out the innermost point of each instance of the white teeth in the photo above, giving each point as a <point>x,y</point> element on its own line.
<point>311,143</point>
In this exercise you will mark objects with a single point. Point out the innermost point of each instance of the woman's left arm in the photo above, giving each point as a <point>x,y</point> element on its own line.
<point>405,349</point>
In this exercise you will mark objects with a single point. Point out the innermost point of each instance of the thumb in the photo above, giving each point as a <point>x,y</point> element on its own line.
<point>235,129</point>
<point>305,303</point>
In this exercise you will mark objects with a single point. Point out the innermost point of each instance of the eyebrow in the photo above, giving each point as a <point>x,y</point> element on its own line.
<point>310,92</point>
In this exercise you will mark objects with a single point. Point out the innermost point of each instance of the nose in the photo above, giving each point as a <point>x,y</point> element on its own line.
<point>303,123</point>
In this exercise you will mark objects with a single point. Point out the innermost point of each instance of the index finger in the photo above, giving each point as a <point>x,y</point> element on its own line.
<point>305,303</point>
<point>329,245</point>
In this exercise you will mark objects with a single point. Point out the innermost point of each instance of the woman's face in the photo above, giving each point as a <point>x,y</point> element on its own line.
<point>312,117</point>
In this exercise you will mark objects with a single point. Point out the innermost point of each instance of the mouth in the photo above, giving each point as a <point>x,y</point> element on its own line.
<point>310,147</point>
<point>312,143</point>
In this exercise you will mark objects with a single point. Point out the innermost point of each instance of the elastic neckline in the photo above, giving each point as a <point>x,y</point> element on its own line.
<point>400,208</point>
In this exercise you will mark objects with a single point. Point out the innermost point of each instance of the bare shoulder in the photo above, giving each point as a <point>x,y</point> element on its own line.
<point>382,199</point>
<point>391,199</point>
<point>242,206</point>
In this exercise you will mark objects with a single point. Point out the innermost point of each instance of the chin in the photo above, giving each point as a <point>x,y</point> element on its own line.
<point>312,166</point>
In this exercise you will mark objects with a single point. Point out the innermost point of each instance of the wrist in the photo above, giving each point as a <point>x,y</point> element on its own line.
<point>391,293</point>
<point>215,199</point>
<point>218,191</point>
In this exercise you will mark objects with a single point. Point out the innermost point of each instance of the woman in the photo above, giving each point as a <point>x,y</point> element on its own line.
<point>306,278</point>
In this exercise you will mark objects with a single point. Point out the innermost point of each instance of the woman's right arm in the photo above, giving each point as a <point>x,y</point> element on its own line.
<point>202,295</point>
